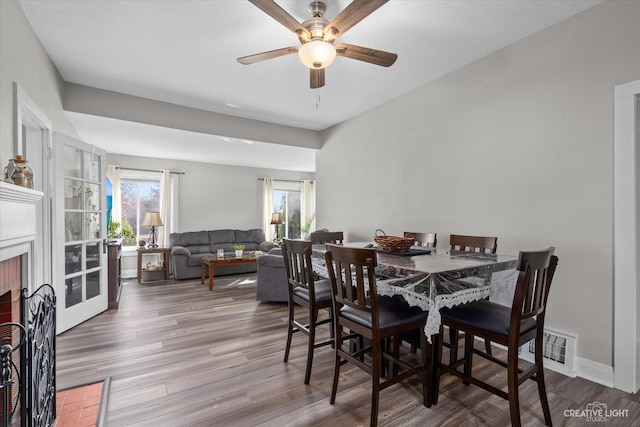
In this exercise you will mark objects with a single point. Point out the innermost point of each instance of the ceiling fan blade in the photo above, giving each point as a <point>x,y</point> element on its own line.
<point>317,78</point>
<point>366,54</point>
<point>263,56</point>
<point>350,16</point>
<point>272,9</point>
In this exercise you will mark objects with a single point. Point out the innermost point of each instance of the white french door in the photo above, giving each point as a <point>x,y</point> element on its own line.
<point>79,231</point>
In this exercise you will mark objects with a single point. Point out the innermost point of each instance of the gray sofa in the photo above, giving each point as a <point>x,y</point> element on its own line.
<point>272,284</point>
<point>187,250</point>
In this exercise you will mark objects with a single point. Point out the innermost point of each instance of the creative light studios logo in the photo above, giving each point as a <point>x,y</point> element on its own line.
<point>596,412</point>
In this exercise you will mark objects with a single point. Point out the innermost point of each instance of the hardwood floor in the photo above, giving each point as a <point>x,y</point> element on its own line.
<point>179,355</point>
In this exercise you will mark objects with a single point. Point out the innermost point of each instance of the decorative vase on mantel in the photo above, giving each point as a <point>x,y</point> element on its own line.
<point>19,172</point>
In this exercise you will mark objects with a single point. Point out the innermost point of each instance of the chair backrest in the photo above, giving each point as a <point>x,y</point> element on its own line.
<point>480,244</point>
<point>297,264</point>
<point>536,270</point>
<point>423,239</point>
<point>350,270</point>
<point>335,237</point>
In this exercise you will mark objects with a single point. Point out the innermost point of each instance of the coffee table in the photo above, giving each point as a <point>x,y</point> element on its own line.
<point>213,261</point>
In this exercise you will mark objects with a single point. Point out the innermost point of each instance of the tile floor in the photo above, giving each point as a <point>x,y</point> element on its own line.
<point>79,406</point>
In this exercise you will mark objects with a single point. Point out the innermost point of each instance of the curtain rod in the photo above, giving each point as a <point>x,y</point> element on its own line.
<point>284,180</point>
<point>148,170</point>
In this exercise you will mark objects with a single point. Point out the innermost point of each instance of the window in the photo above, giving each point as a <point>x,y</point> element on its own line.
<point>140,192</point>
<point>286,199</point>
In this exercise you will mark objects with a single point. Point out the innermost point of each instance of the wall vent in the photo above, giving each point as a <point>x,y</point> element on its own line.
<point>559,352</point>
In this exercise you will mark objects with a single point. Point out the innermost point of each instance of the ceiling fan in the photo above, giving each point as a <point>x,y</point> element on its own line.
<point>318,35</point>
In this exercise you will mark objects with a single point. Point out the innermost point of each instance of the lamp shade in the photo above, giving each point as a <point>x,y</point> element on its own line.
<point>276,218</point>
<point>152,218</point>
<point>317,54</point>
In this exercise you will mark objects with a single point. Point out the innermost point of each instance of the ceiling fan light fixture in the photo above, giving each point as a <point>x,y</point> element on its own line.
<point>317,54</point>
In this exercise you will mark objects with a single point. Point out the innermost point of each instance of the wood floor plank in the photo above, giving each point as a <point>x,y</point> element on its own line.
<point>179,355</point>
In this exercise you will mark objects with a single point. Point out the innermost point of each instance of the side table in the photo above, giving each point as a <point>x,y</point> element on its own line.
<point>159,250</point>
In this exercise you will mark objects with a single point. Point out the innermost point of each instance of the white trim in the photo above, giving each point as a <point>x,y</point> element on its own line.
<point>24,105</point>
<point>625,312</point>
<point>18,227</point>
<point>287,185</point>
<point>36,146</point>
<point>136,174</point>
<point>584,368</point>
<point>594,371</point>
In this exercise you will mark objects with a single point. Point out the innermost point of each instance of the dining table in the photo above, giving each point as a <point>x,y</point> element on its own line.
<point>436,278</point>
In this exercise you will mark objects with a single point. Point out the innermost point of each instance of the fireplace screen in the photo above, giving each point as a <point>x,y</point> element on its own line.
<point>39,390</point>
<point>12,338</point>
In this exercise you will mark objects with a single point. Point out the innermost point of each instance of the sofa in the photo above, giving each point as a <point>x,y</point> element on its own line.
<point>271,281</point>
<point>188,248</point>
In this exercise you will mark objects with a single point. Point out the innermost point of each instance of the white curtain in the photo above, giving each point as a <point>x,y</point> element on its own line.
<point>267,208</point>
<point>308,203</point>
<point>168,183</point>
<point>113,173</point>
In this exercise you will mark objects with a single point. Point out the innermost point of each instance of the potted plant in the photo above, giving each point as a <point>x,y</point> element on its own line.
<point>122,231</point>
<point>305,229</point>
<point>238,249</point>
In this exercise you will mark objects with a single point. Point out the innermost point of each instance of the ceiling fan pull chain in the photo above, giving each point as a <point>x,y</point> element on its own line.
<point>317,98</point>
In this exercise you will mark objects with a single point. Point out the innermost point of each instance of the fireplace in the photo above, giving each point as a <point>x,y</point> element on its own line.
<point>10,314</point>
<point>18,231</point>
<point>10,285</point>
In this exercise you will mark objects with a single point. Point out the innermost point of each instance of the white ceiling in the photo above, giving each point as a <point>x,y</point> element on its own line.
<point>184,52</point>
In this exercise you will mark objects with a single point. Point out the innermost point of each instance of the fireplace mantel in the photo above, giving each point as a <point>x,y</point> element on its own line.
<point>18,232</point>
<point>18,219</point>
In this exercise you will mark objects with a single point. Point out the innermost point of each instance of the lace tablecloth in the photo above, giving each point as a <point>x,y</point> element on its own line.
<point>438,280</point>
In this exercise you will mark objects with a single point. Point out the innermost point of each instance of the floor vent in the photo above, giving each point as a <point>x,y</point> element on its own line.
<point>559,352</point>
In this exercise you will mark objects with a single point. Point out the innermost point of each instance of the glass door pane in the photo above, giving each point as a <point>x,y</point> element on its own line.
<point>80,179</point>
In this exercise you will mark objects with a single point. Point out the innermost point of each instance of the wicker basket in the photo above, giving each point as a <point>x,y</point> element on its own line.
<point>153,275</point>
<point>393,243</point>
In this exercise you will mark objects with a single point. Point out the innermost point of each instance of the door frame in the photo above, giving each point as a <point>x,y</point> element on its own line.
<point>626,352</point>
<point>36,147</point>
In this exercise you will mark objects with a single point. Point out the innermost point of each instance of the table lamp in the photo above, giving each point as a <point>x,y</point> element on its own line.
<point>276,219</point>
<point>153,219</point>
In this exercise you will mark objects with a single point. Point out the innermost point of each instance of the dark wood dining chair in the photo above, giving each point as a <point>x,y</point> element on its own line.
<point>428,240</point>
<point>335,237</point>
<point>510,326</point>
<point>305,291</point>
<point>480,244</point>
<point>358,311</point>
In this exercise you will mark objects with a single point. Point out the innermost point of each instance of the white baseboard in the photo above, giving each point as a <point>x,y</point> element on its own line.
<point>594,371</point>
<point>129,274</point>
<point>588,369</point>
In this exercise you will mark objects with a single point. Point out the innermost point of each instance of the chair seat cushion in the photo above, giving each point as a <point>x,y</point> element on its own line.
<point>394,312</point>
<point>322,289</point>
<point>484,315</point>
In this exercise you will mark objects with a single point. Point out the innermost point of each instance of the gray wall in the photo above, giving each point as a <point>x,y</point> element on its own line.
<point>214,196</point>
<point>517,145</point>
<point>210,196</point>
<point>25,61</point>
